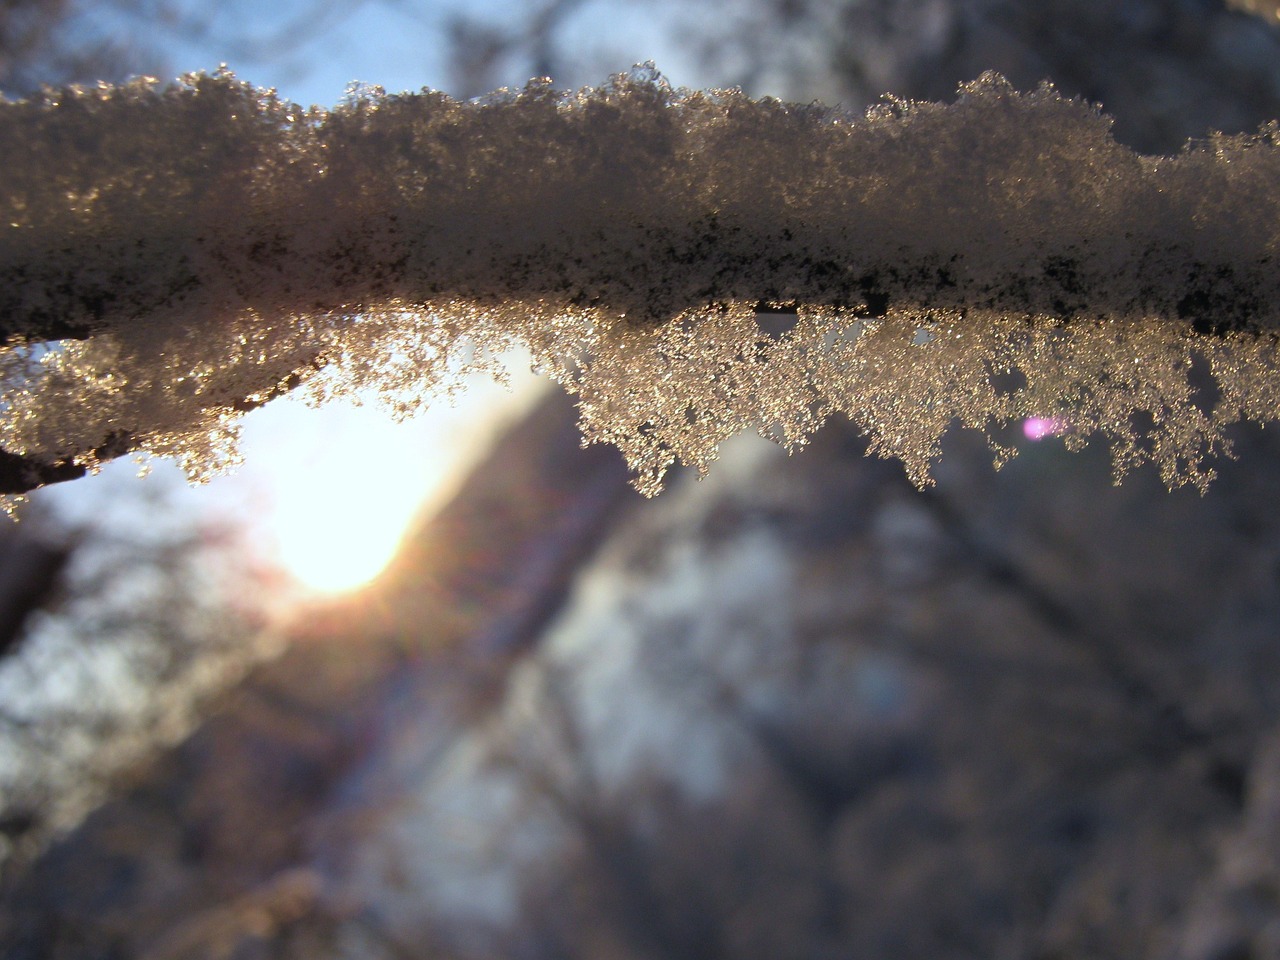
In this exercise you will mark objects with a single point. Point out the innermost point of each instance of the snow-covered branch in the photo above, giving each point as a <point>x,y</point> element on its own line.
<point>690,264</point>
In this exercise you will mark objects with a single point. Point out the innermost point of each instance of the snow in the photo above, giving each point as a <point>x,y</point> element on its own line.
<point>197,248</point>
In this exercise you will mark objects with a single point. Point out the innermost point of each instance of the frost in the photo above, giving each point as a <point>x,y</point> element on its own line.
<point>688,264</point>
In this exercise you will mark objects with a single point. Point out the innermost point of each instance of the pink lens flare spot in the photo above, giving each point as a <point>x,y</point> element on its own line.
<point>1037,428</point>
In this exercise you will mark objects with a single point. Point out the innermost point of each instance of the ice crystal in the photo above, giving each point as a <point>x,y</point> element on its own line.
<point>688,264</point>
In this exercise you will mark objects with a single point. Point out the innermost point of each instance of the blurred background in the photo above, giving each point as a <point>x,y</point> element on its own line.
<point>484,701</point>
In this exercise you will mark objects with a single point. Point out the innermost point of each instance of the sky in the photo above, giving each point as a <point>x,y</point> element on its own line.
<point>395,44</point>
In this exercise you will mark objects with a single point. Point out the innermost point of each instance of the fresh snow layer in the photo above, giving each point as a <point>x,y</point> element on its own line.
<point>689,264</point>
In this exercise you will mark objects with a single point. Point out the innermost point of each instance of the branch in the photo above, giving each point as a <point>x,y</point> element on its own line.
<point>195,248</point>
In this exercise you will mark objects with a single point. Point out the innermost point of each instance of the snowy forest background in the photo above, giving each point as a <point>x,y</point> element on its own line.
<point>798,709</point>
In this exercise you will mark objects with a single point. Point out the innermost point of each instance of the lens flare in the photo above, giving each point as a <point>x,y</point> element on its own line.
<point>1037,428</point>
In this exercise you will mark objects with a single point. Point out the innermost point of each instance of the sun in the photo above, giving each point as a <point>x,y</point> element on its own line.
<point>335,490</point>
<point>337,528</point>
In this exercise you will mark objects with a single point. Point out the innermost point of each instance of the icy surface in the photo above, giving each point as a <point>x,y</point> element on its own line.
<point>689,264</point>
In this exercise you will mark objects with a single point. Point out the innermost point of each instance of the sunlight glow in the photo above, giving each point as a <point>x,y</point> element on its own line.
<point>338,527</point>
<point>335,490</point>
